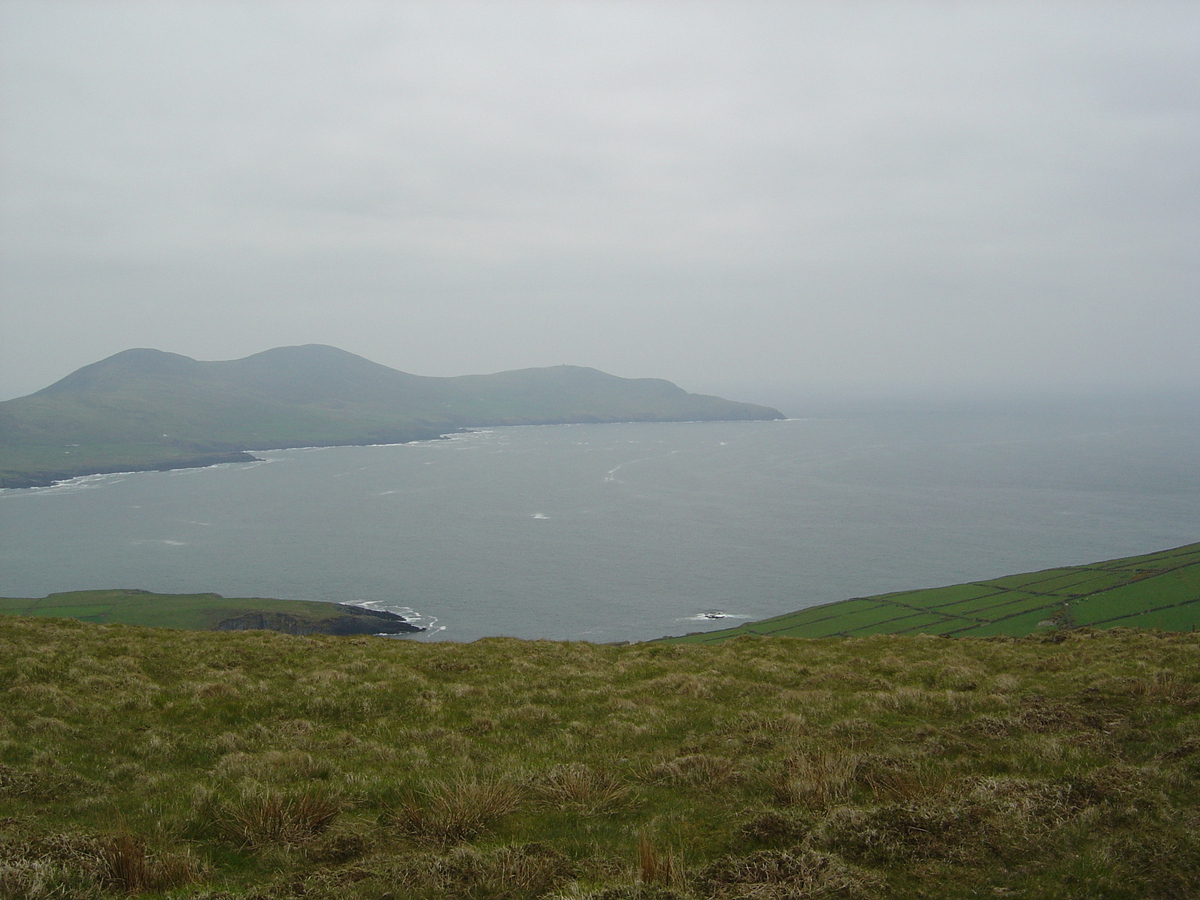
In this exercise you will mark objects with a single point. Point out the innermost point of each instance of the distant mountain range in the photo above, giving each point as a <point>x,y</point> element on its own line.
<point>146,409</point>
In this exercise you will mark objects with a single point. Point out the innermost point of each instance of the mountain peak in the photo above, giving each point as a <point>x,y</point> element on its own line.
<point>138,363</point>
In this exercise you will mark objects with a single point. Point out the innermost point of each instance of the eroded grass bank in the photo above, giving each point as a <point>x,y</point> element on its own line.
<point>261,765</point>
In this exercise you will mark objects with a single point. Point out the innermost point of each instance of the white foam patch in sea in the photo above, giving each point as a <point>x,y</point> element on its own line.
<point>465,440</point>
<point>713,615</point>
<point>258,461</point>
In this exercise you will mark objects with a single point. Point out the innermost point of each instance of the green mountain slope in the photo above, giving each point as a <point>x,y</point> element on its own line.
<point>1157,590</point>
<point>144,409</point>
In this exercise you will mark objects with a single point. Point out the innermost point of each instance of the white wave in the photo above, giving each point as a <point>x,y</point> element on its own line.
<point>465,438</point>
<point>540,516</point>
<point>75,485</point>
<point>714,616</point>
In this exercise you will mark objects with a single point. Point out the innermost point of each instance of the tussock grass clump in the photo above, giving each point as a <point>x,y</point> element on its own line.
<point>451,811</point>
<point>783,875</point>
<point>259,817</point>
<point>511,871</point>
<point>582,790</point>
<point>658,864</point>
<point>127,866</point>
<point>65,865</point>
<point>701,769</point>
<point>816,778</point>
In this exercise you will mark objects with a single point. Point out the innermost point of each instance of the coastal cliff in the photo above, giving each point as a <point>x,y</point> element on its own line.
<point>355,620</point>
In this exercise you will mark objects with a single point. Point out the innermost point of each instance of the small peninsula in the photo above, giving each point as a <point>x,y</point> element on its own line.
<point>144,410</point>
<point>210,612</point>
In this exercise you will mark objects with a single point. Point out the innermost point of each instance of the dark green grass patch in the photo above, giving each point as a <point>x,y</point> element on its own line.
<point>1023,623</point>
<point>995,605</point>
<point>913,623</point>
<point>946,597</point>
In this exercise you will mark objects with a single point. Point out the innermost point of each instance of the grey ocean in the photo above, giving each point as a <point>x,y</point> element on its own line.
<point>627,532</point>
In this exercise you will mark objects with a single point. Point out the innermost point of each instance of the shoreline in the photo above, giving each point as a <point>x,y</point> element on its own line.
<point>49,478</point>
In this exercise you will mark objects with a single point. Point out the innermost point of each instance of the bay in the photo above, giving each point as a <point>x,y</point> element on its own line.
<point>628,531</point>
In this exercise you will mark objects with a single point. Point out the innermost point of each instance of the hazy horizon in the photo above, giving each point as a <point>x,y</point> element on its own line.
<point>1180,402</point>
<point>761,200</point>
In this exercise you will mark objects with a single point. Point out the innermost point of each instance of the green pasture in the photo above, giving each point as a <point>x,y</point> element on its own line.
<point>1156,590</point>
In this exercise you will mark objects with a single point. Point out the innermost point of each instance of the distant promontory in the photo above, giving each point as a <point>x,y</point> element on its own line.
<point>144,409</point>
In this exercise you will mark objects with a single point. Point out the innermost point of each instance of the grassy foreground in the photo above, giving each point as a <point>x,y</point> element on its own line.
<point>258,765</point>
<point>1156,590</point>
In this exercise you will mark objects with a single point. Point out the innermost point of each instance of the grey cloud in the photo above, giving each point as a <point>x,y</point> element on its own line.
<point>824,194</point>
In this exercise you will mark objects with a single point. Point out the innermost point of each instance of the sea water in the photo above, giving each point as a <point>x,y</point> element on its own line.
<point>626,531</point>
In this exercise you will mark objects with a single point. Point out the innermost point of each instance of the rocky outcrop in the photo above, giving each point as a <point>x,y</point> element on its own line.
<point>355,620</point>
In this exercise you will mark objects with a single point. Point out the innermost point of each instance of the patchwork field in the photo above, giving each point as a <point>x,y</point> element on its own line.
<point>1157,590</point>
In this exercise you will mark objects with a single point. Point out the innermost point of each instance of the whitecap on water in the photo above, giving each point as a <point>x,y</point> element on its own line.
<point>713,615</point>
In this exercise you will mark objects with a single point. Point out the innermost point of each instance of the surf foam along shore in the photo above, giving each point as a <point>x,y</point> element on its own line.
<point>47,477</point>
<point>421,623</point>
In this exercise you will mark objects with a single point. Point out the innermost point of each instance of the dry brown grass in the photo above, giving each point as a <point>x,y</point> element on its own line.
<point>126,865</point>
<point>501,873</point>
<point>699,769</point>
<point>582,790</point>
<point>786,875</point>
<point>451,811</point>
<point>260,817</point>
<point>816,778</point>
<point>658,865</point>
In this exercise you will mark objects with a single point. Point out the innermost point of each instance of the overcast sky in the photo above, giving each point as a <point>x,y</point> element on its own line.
<point>833,197</point>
